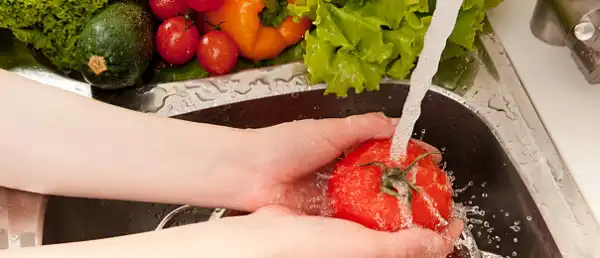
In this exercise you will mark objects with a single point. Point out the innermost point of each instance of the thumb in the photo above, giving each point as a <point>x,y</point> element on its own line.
<point>342,133</point>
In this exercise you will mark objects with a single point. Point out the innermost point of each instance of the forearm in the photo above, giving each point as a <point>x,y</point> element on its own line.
<point>213,239</point>
<point>55,142</point>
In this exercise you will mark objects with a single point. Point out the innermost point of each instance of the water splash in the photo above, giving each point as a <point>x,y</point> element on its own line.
<point>433,210</point>
<point>463,189</point>
<point>404,190</point>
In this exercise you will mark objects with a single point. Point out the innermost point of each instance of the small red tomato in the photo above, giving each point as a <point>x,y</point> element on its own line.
<point>165,9</point>
<point>203,25</point>
<point>205,5</point>
<point>177,39</point>
<point>369,188</point>
<point>217,52</point>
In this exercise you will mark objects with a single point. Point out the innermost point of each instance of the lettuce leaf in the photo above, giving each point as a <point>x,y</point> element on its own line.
<point>357,44</point>
<point>274,12</point>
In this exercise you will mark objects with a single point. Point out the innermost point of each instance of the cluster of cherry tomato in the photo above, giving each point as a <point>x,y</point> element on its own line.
<point>180,37</point>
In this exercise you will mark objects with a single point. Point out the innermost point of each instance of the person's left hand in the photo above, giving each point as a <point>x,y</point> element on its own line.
<point>277,231</point>
<point>281,166</point>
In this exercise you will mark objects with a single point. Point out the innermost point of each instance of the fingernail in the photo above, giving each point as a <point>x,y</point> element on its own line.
<point>394,121</point>
<point>381,114</point>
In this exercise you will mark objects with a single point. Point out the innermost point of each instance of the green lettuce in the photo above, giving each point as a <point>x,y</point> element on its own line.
<point>357,43</point>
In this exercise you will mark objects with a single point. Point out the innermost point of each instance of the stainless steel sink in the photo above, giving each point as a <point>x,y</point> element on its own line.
<point>495,145</point>
<point>484,172</point>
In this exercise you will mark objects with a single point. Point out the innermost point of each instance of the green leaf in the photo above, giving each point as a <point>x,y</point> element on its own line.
<point>190,70</point>
<point>421,6</point>
<point>355,45</point>
<point>52,27</point>
<point>390,12</point>
<point>351,32</point>
<point>274,13</point>
<point>468,24</point>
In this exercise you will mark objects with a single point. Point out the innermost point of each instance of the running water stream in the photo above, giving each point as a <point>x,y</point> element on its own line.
<point>442,25</point>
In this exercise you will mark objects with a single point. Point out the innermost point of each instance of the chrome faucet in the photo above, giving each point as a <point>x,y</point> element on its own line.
<point>574,24</point>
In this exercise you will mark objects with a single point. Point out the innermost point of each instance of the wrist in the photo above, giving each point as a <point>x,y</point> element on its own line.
<point>228,176</point>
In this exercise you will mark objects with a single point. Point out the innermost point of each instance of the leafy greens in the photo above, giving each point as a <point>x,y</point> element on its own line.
<point>358,42</point>
<point>50,26</point>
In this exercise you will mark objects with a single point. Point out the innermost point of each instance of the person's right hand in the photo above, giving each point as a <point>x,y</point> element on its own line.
<point>277,231</point>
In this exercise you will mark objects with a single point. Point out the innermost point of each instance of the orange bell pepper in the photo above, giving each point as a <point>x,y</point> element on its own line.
<point>240,19</point>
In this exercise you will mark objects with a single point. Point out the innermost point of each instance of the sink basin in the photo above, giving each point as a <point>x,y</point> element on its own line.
<point>77,219</point>
<point>505,219</point>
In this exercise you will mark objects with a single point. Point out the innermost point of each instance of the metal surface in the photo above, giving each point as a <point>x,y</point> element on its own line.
<point>492,134</point>
<point>21,218</point>
<point>18,58</point>
<point>571,23</point>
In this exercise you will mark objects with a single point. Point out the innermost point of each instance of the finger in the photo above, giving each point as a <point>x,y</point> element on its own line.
<point>418,243</point>
<point>437,158</point>
<point>343,133</point>
<point>455,229</point>
<point>275,210</point>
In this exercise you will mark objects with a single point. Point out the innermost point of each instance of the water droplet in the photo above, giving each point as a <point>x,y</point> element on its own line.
<point>516,240</point>
<point>475,221</point>
<point>515,228</point>
<point>295,95</point>
<point>506,214</point>
<point>484,195</point>
<point>514,254</point>
<point>528,218</point>
<point>486,224</point>
<point>497,247</point>
<point>497,238</point>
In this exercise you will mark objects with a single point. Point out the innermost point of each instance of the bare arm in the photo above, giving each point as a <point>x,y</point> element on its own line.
<point>271,232</point>
<point>55,142</point>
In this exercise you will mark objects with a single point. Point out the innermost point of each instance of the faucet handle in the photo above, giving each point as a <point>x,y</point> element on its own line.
<point>585,31</point>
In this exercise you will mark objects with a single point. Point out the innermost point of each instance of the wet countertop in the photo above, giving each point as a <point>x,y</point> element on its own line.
<point>569,107</point>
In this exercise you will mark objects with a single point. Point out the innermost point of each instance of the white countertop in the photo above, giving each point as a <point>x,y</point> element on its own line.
<point>568,106</point>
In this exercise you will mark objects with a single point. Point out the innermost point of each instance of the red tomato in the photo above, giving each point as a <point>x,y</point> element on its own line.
<point>217,52</point>
<point>177,39</point>
<point>165,9</point>
<point>205,5</point>
<point>203,25</point>
<point>356,189</point>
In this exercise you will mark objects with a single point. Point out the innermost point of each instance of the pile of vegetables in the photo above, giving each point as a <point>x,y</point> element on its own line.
<point>50,26</point>
<point>344,43</point>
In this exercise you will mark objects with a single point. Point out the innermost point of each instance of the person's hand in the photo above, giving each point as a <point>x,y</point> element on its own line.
<point>281,166</point>
<point>277,231</point>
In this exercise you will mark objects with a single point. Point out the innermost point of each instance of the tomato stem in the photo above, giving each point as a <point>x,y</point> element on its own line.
<point>397,175</point>
<point>188,16</point>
